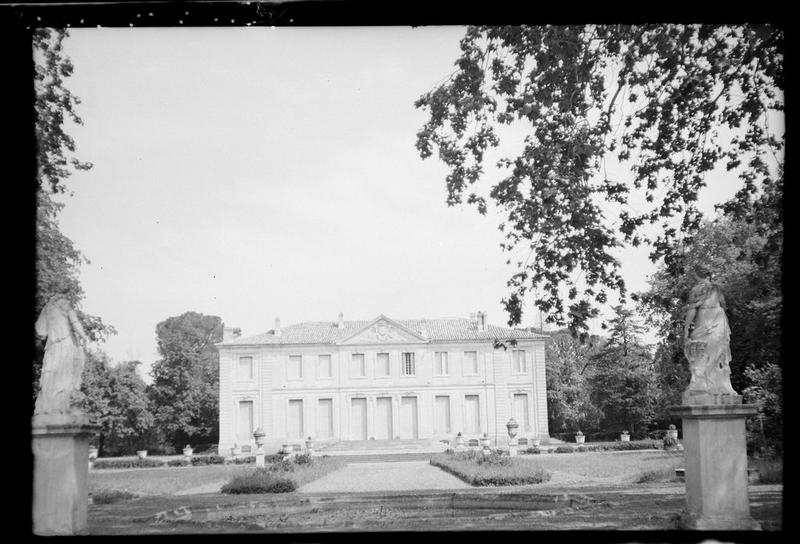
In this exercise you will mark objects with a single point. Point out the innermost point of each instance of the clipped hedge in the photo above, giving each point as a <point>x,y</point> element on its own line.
<point>127,463</point>
<point>111,496</point>
<point>202,460</point>
<point>492,472</point>
<point>261,480</point>
<point>564,449</point>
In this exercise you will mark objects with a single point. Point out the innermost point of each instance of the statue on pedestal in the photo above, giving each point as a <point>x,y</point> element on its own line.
<point>707,345</point>
<point>64,358</point>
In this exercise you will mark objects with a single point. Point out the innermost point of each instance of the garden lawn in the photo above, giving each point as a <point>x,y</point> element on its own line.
<point>568,469</point>
<point>162,481</point>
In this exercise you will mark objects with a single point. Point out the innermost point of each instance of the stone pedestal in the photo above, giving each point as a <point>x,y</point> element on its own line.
<point>716,466</point>
<point>260,459</point>
<point>512,447</point>
<point>60,471</point>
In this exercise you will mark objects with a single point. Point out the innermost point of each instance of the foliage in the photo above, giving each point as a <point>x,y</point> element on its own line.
<point>178,462</point>
<point>202,460</point>
<point>494,459</point>
<point>185,388</point>
<point>745,255</point>
<point>568,403</point>
<point>533,450</point>
<point>115,398</point>
<point>770,470</point>
<point>147,462</point>
<point>669,442</point>
<point>564,449</point>
<point>302,459</point>
<point>470,469</point>
<point>111,496</point>
<point>260,480</point>
<point>57,259</point>
<point>660,475</point>
<point>669,102</point>
<point>623,379</point>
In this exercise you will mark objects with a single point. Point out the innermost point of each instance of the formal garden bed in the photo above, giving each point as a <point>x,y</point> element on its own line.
<point>283,476</point>
<point>491,470</point>
<point>177,461</point>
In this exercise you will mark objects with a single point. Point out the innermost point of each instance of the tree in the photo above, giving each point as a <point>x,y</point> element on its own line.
<point>57,258</point>
<point>115,398</point>
<point>185,388</point>
<point>569,406</point>
<point>670,102</point>
<point>623,380</point>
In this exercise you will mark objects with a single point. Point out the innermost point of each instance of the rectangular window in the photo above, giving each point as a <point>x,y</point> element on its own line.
<point>408,364</point>
<point>383,365</point>
<point>245,427</point>
<point>295,367</point>
<point>472,414</point>
<point>470,362</point>
<point>359,369</point>
<point>519,409</point>
<point>245,368</point>
<point>518,360</point>
<point>440,363</point>
<point>325,369</point>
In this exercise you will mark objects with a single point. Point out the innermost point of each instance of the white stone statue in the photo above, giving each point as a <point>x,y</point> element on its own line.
<point>64,359</point>
<point>707,343</point>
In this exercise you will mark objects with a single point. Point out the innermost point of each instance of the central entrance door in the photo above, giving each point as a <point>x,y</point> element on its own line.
<point>408,417</point>
<point>383,419</point>
<point>358,419</point>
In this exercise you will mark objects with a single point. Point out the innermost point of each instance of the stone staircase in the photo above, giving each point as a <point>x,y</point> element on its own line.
<point>381,450</point>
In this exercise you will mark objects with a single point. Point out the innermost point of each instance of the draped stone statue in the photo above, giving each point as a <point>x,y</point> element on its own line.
<point>64,359</point>
<point>707,345</point>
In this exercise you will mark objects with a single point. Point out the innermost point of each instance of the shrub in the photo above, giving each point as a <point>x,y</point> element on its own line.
<point>564,449</point>
<point>179,462</point>
<point>111,496</point>
<point>533,450</point>
<point>284,465</point>
<point>549,450</point>
<point>658,434</point>
<point>474,472</point>
<point>494,459</point>
<point>259,481</point>
<point>770,471</point>
<point>243,460</point>
<point>302,459</point>
<point>669,442</point>
<point>202,460</point>
<point>581,448</point>
<point>127,463</point>
<point>656,476</point>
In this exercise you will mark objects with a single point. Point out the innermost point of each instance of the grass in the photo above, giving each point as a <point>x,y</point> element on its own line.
<point>111,496</point>
<point>163,481</point>
<point>283,476</point>
<point>498,470</point>
<point>657,475</point>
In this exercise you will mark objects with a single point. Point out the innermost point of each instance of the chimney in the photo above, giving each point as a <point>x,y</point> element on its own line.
<point>472,319</point>
<point>230,333</point>
<point>341,320</point>
<point>277,326</point>
<point>482,321</point>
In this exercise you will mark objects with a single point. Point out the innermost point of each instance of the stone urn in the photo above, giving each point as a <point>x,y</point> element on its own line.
<point>93,451</point>
<point>187,451</point>
<point>625,436</point>
<point>310,445</point>
<point>512,427</point>
<point>536,442</point>
<point>141,454</point>
<point>459,442</point>
<point>579,438</point>
<point>672,431</point>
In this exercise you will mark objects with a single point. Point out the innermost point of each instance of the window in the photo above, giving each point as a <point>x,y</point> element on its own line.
<point>408,364</point>
<point>383,365</point>
<point>440,363</point>
<point>518,361</point>
<point>325,370</point>
<point>245,423</point>
<point>295,367</point>
<point>358,368</point>
<point>470,362</point>
<point>245,368</point>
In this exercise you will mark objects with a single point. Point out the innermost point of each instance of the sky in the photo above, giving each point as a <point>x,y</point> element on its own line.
<point>255,173</point>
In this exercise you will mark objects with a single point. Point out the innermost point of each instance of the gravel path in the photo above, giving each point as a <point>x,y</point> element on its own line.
<point>393,476</point>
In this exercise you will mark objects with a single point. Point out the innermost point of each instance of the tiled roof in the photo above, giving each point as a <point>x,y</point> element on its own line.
<point>327,332</point>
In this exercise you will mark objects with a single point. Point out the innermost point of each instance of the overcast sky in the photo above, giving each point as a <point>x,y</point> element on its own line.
<point>251,173</point>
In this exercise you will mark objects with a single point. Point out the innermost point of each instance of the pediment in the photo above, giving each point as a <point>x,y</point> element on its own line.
<point>383,330</point>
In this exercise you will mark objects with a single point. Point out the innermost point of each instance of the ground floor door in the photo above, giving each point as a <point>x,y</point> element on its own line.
<point>520,411</point>
<point>244,432</point>
<point>383,418</point>
<point>358,419</point>
<point>294,424</point>
<point>472,414</point>
<point>442,416</point>
<point>408,417</point>
<point>325,418</point>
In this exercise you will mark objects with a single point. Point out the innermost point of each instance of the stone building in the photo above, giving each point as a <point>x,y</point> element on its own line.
<point>381,379</point>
